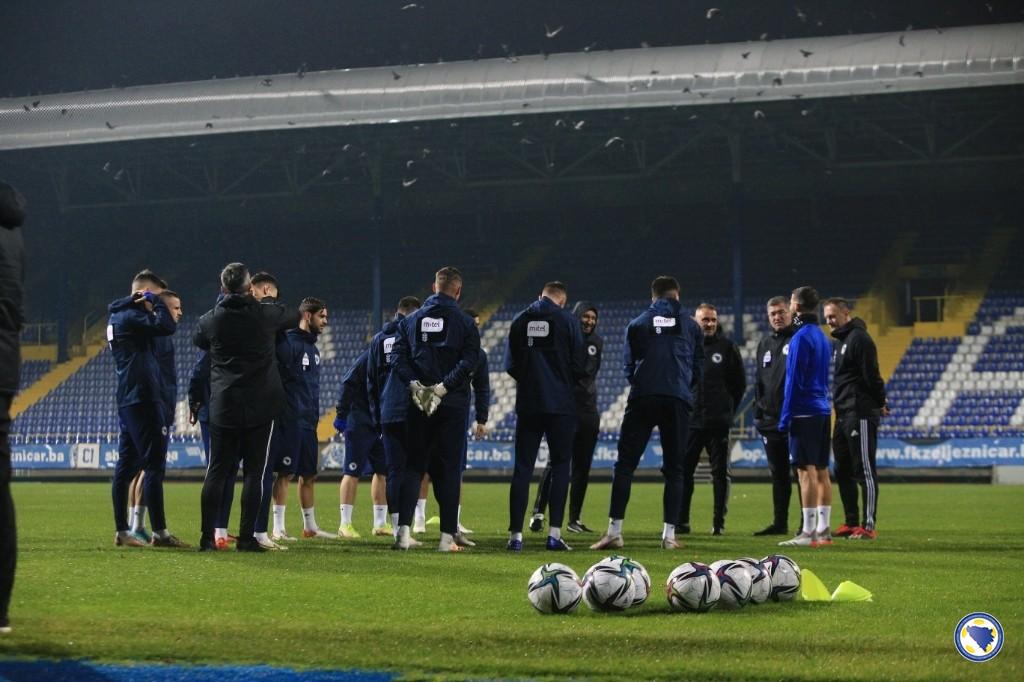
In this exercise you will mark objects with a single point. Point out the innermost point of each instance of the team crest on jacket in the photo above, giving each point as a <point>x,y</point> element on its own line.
<point>591,350</point>
<point>785,349</point>
<point>716,358</point>
<point>767,359</point>
<point>842,351</point>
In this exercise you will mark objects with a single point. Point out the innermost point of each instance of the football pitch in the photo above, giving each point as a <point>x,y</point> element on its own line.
<point>944,550</point>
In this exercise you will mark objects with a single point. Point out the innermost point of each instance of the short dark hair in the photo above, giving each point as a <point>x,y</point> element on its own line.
<point>167,293</point>
<point>777,300</point>
<point>708,306</point>
<point>448,278</point>
<point>806,299</point>
<point>12,206</point>
<point>311,304</point>
<point>264,277</point>
<point>235,278</point>
<point>471,312</point>
<point>408,304</point>
<point>147,276</point>
<point>555,286</point>
<point>837,301</point>
<point>663,284</point>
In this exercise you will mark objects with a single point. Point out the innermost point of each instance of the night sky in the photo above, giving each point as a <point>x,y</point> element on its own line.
<point>67,45</point>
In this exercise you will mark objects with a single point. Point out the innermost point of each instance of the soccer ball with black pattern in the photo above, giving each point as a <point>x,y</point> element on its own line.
<point>609,586</point>
<point>641,578</point>
<point>760,581</point>
<point>735,581</point>
<point>693,587</point>
<point>554,588</point>
<point>785,576</point>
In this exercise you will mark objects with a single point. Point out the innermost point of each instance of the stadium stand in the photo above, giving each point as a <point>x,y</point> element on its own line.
<point>31,370</point>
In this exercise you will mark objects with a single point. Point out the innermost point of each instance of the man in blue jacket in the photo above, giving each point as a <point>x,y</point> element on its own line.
<point>434,355</point>
<point>544,354</point>
<point>364,451</point>
<point>664,362</point>
<point>135,322</point>
<point>806,416</point>
<point>378,369</point>
<point>163,348</point>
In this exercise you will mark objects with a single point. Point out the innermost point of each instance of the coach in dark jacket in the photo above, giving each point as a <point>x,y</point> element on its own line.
<point>245,396</point>
<point>435,352</point>
<point>768,393</point>
<point>663,360</point>
<point>724,384</point>
<point>12,275</point>
<point>858,395</point>
<point>588,426</point>
<point>544,354</point>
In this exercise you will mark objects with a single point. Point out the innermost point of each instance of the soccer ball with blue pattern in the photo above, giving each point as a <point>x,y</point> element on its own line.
<point>735,581</point>
<point>785,576</point>
<point>760,581</point>
<point>641,579</point>
<point>694,587</point>
<point>554,588</point>
<point>609,585</point>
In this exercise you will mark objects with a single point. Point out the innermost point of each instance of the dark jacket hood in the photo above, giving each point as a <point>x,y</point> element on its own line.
<point>844,331</point>
<point>120,304</point>
<point>582,307</point>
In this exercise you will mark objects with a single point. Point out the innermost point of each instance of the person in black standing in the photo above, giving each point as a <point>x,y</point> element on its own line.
<point>245,397</point>
<point>587,428</point>
<point>860,402</point>
<point>12,314</point>
<point>724,385</point>
<point>768,393</point>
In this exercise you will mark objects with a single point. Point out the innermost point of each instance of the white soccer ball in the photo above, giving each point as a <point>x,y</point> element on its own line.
<point>693,586</point>
<point>785,576</point>
<point>554,588</point>
<point>609,586</point>
<point>760,580</point>
<point>641,578</point>
<point>735,581</point>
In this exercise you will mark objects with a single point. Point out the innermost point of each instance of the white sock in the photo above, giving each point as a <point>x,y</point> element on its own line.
<point>162,533</point>
<point>394,524</point>
<point>614,527</point>
<point>517,536</point>
<point>458,516</point>
<point>421,509</point>
<point>380,515</point>
<point>261,537</point>
<point>824,518</point>
<point>554,532</point>
<point>139,517</point>
<point>309,519</point>
<point>668,531</point>
<point>220,533</point>
<point>346,514</point>
<point>131,518</point>
<point>810,519</point>
<point>446,541</point>
<point>279,519</point>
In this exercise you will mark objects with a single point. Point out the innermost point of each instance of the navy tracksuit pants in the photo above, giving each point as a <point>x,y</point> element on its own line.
<point>559,429</point>
<point>142,446</point>
<point>672,417</point>
<point>229,484</point>
<point>583,443</point>
<point>431,445</point>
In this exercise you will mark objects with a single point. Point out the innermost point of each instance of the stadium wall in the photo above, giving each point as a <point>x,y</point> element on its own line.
<point>499,455</point>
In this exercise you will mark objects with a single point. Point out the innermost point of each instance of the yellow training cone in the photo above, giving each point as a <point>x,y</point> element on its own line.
<point>850,591</point>
<point>811,587</point>
<point>433,521</point>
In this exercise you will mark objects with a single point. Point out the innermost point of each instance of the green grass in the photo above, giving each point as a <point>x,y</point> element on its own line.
<point>943,551</point>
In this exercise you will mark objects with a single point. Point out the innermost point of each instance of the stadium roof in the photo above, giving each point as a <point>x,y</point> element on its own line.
<point>808,68</point>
